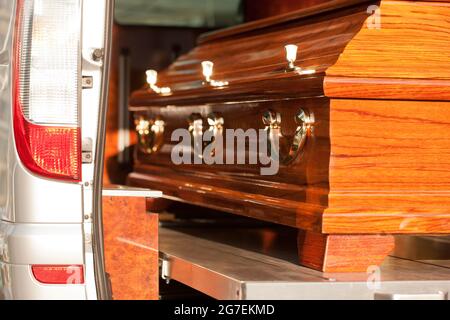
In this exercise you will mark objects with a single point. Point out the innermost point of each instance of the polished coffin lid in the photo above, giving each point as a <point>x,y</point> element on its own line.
<point>377,160</point>
<point>357,48</point>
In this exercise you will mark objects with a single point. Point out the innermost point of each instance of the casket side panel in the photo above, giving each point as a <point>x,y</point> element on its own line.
<point>389,115</point>
<point>378,159</point>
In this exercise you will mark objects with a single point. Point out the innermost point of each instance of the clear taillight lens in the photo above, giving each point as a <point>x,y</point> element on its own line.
<point>47,87</point>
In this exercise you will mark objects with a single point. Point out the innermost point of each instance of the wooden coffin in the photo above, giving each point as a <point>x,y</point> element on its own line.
<point>369,94</point>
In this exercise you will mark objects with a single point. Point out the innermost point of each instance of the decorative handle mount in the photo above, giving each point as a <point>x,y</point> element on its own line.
<point>287,148</point>
<point>150,134</point>
<point>215,122</point>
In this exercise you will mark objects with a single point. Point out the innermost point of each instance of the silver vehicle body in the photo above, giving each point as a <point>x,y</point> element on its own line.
<point>45,221</point>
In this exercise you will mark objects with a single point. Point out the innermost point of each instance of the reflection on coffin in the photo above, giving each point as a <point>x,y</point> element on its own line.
<point>357,109</point>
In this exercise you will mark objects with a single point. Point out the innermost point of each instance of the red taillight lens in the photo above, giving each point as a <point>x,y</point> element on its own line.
<point>46,87</point>
<point>48,151</point>
<point>58,274</point>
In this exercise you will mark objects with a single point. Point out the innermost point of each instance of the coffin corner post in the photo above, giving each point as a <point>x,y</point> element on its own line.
<point>342,253</point>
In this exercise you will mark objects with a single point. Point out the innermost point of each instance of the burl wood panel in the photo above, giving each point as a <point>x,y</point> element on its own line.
<point>131,248</point>
<point>343,253</point>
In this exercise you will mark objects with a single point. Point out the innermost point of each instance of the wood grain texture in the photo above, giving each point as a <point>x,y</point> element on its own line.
<point>307,8</point>
<point>359,61</point>
<point>398,158</point>
<point>391,146</point>
<point>412,42</point>
<point>377,161</point>
<point>406,58</point>
<point>255,65</point>
<point>387,88</point>
<point>131,248</point>
<point>343,253</point>
<point>300,214</point>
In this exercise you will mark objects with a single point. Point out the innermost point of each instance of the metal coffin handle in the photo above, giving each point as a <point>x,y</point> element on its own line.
<point>287,148</point>
<point>150,134</point>
<point>195,121</point>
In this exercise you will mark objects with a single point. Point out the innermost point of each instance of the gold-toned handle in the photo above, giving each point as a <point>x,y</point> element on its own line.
<point>216,124</point>
<point>195,122</point>
<point>287,148</point>
<point>150,134</point>
<point>215,131</point>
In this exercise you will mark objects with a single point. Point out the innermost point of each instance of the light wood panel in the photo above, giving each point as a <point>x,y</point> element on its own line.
<point>412,42</point>
<point>343,253</point>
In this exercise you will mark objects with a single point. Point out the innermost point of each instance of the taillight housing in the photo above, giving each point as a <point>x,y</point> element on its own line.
<point>46,89</point>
